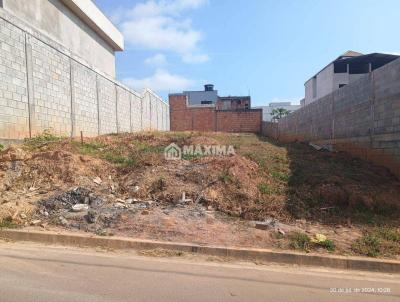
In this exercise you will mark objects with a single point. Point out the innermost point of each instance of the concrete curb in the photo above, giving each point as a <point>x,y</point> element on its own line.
<point>338,262</point>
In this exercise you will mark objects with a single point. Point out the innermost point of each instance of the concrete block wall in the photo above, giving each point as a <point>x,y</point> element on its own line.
<point>44,86</point>
<point>362,118</point>
<point>51,80</point>
<point>84,90</point>
<point>146,111</point>
<point>136,112</point>
<point>107,96</point>
<point>207,118</point>
<point>123,109</point>
<point>14,117</point>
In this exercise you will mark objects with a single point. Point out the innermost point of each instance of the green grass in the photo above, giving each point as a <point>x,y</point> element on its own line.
<point>120,160</point>
<point>266,189</point>
<point>280,175</point>
<point>378,241</point>
<point>89,148</point>
<point>300,241</point>
<point>7,223</point>
<point>146,147</point>
<point>257,158</point>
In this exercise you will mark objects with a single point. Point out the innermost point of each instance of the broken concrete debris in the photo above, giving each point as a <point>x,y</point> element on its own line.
<point>36,222</point>
<point>80,207</point>
<point>97,181</point>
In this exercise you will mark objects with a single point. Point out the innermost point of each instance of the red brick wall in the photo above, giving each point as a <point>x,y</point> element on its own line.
<point>239,121</point>
<point>208,119</point>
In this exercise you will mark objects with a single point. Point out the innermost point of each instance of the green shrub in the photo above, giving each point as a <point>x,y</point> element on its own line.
<point>7,223</point>
<point>367,245</point>
<point>44,138</point>
<point>378,241</point>
<point>1,147</point>
<point>300,241</point>
<point>327,244</point>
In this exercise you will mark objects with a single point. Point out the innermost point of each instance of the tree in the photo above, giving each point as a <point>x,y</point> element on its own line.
<point>278,113</point>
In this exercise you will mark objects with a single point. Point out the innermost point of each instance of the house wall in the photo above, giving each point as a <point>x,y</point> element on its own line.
<point>207,118</point>
<point>324,82</point>
<point>362,118</point>
<point>267,110</point>
<point>53,18</point>
<point>43,86</point>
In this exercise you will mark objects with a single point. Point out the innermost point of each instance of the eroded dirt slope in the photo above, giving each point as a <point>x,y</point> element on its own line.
<point>122,184</point>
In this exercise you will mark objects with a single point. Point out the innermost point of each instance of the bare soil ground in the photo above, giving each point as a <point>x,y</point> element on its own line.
<point>122,185</point>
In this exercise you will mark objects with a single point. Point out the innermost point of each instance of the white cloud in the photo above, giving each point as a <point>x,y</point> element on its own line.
<point>195,58</point>
<point>161,80</point>
<point>160,25</point>
<point>161,33</point>
<point>156,60</point>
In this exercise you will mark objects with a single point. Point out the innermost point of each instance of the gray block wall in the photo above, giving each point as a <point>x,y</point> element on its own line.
<point>107,98</point>
<point>43,86</point>
<point>362,118</point>
<point>14,116</point>
<point>123,109</point>
<point>136,113</point>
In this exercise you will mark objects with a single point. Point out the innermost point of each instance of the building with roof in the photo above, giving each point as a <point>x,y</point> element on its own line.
<point>344,70</point>
<point>78,25</point>
<point>209,98</point>
<point>206,111</point>
<point>267,110</point>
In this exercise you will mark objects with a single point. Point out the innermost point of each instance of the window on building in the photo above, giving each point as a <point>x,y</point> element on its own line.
<point>358,68</point>
<point>206,102</point>
<point>340,67</point>
<point>246,106</point>
<point>341,85</point>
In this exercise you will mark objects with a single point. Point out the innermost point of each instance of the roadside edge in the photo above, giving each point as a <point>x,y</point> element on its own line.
<point>283,257</point>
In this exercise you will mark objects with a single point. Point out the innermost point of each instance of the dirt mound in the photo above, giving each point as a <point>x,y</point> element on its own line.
<point>261,180</point>
<point>13,153</point>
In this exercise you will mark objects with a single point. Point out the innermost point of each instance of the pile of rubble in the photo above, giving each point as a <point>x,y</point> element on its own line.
<point>82,209</point>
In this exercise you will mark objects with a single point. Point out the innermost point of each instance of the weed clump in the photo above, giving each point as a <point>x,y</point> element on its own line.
<point>378,241</point>
<point>45,138</point>
<point>301,241</point>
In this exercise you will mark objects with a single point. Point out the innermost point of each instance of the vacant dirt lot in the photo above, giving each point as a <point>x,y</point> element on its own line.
<point>296,197</point>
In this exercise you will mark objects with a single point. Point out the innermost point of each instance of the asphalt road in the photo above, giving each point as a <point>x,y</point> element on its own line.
<point>31,272</point>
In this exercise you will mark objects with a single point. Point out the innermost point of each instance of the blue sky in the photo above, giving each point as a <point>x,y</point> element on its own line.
<point>263,47</point>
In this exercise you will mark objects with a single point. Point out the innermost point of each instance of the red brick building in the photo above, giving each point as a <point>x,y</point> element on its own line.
<point>197,111</point>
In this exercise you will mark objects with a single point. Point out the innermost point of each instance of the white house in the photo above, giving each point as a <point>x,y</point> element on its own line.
<point>267,110</point>
<point>346,69</point>
<point>78,25</point>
